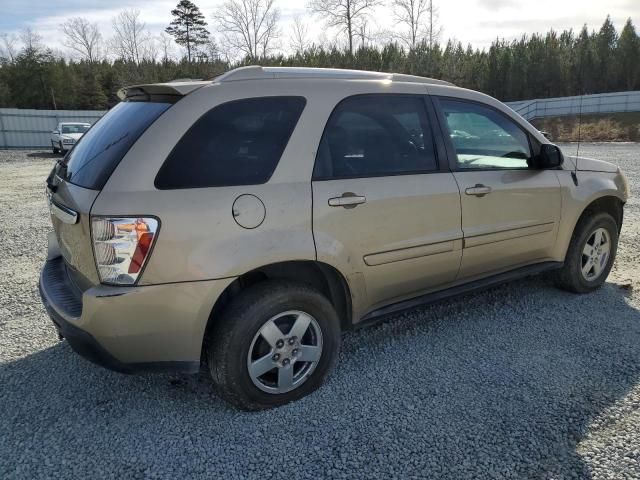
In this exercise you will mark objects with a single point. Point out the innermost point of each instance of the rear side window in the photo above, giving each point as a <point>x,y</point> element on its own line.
<point>236,143</point>
<point>92,161</point>
<point>376,135</point>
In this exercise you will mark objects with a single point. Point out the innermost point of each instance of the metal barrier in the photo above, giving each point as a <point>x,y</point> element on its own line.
<point>587,104</point>
<point>32,128</point>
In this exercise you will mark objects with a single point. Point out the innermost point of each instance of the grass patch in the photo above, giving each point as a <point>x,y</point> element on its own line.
<point>604,127</point>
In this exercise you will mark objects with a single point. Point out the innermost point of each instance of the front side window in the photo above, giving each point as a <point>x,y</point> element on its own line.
<point>236,143</point>
<point>484,138</point>
<point>376,135</point>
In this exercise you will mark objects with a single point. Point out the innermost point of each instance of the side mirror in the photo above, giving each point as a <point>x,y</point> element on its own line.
<point>55,132</point>
<point>550,156</point>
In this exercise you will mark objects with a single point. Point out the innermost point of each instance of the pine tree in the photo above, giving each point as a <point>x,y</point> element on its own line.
<point>91,94</point>
<point>628,55</point>
<point>606,63</point>
<point>188,27</point>
<point>584,64</point>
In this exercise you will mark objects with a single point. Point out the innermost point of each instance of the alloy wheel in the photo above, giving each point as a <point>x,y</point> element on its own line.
<point>284,352</point>
<point>595,254</point>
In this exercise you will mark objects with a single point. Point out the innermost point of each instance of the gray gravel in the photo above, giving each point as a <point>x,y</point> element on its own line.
<point>522,381</point>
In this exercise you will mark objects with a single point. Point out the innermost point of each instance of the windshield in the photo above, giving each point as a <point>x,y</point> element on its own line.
<point>75,128</point>
<point>94,158</point>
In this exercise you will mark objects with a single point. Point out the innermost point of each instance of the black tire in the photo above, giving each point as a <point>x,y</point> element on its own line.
<point>55,150</point>
<point>570,276</point>
<point>233,334</point>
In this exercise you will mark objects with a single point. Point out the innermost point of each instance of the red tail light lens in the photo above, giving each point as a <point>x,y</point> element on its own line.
<point>121,246</point>
<point>142,250</point>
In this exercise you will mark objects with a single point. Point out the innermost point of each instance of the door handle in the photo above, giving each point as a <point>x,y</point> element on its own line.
<point>347,200</point>
<point>479,190</point>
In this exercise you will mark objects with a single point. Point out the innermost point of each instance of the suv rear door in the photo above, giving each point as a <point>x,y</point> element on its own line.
<point>382,202</point>
<point>510,210</point>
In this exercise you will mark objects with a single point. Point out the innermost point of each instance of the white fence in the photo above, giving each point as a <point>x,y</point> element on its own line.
<point>587,104</point>
<point>32,128</point>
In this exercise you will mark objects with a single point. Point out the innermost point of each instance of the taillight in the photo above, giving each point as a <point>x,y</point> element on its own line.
<point>121,246</point>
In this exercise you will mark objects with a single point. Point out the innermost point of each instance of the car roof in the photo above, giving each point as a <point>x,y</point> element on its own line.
<point>255,72</point>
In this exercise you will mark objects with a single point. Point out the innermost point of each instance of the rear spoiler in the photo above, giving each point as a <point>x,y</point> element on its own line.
<point>169,89</point>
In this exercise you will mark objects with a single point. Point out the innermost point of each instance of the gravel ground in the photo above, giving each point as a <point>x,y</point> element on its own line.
<point>522,381</point>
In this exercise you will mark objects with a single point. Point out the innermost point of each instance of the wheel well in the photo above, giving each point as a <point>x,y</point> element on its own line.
<point>611,205</point>
<point>321,276</point>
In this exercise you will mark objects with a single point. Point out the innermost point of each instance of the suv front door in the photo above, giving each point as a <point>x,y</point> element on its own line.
<point>510,211</point>
<point>383,208</point>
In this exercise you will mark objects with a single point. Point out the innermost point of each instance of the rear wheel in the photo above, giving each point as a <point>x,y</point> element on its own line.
<point>591,254</point>
<point>276,342</point>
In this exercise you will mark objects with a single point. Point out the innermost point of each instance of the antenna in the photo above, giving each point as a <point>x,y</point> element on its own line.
<point>574,174</point>
<point>579,129</point>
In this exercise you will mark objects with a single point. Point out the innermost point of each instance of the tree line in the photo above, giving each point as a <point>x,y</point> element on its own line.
<point>90,71</point>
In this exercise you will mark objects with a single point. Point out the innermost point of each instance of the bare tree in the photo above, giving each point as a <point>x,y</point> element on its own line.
<point>411,15</point>
<point>130,36</point>
<point>435,30</point>
<point>31,40</point>
<point>248,26</point>
<point>210,50</point>
<point>8,46</point>
<point>299,39</point>
<point>346,15</point>
<point>364,33</point>
<point>82,37</point>
<point>165,42</point>
<point>150,49</point>
<point>420,19</point>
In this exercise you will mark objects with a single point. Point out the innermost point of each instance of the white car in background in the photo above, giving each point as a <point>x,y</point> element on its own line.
<point>66,134</point>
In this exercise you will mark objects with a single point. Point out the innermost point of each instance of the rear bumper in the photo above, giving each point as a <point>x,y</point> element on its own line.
<point>131,329</point>
<point>79,340</point>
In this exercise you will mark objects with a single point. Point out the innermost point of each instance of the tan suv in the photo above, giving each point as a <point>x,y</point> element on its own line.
<point>245,222</point>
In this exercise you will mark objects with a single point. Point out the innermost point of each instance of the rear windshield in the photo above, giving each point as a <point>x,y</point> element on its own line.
<point>94,158</point>
<point>74,128</point>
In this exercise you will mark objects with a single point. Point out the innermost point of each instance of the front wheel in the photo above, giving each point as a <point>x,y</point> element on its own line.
<point>54,148</point>
<point>591,254</point>
<point>276,342</point>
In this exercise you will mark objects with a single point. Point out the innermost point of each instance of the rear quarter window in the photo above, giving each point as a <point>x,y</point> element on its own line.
<point>236,143</point>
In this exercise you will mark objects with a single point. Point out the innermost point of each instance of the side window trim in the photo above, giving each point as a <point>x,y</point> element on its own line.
<point>438,146</point>
<point>451,149</point>
<point>439,137</point>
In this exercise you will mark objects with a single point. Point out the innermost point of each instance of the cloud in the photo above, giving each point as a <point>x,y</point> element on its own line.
<point>497,4</point>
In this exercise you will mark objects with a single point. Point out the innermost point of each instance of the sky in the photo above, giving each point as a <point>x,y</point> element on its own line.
<point>470,21</point>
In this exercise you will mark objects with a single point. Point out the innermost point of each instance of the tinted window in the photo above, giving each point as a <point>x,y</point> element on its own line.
<point>376,135</point>
<point>97,154</point>
<point>485,138</point>
<point>236,143</point>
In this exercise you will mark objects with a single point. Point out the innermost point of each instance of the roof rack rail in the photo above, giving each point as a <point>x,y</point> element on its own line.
<point>256,72</point>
